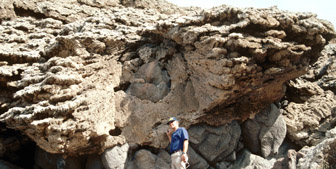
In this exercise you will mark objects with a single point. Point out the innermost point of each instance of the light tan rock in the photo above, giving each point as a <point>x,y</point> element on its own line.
<point>115,158</point>
<point>319,156</point>
<point>6,10</point>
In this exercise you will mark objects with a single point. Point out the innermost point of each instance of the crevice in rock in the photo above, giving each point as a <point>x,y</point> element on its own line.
<point>115,132</point>
<point>294,95</point>
<point>292,144</point>
<point>268,80</point>
<point>122,21</point>
<point>313,55</point>
<point>153,150</point>
<point>124,86</point>
<point>151,38</point>
<point>130,52</point>
<point>156,125</point>
<point>3,108</point>
<point>27,12</point>
<point>253,30</point>
<point>178,48</point>
<point>12,58</point>
<point>22,28</point>
<point>301,38</point>
<point>41,116</point>
<point>219,109</point>
<point>200,143</point>
<point>319,75</point>
<point>18,149</point>
<point>211,164</point>
<point>97,140</point>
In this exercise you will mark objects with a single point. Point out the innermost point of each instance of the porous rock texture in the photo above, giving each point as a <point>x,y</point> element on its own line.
<point>81,77</point>
<point>309,105</point>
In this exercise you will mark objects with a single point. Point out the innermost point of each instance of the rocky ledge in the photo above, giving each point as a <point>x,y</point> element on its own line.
<point>93,83</point>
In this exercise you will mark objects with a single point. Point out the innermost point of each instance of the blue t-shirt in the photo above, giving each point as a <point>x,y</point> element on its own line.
<point>178,138</point>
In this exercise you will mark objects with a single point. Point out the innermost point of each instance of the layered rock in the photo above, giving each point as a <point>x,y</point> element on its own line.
<point>83,76</point>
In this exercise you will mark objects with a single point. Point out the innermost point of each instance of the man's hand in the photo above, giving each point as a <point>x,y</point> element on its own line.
<point>184,158</point>
<point>169,133</point>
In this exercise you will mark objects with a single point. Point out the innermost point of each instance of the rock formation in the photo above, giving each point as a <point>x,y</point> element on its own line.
<point>83,77</point>
<point>264,134</point>
<point>309,106</point>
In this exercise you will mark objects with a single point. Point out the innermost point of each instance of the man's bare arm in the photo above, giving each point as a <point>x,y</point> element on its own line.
<point>185,149</point>
<point>185,146</point>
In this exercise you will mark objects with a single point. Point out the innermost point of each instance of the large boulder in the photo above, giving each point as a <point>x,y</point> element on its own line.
<point>144,159</point>
<point>247,160</point>
<point>163,160</point>
<point>215,143</point>
<point>195,160</point>
<point>115,158</point>
<point>265,133</point>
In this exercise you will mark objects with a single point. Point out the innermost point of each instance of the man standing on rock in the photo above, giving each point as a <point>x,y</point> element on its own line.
<point>179,141</point>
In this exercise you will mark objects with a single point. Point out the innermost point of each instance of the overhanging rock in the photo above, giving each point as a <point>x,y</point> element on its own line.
<point>66,68</point>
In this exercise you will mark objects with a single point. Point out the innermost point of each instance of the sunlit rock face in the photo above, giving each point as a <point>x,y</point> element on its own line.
<point>79,77</point>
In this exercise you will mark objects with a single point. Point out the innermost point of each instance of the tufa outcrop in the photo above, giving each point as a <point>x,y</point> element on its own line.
<point>85,77</point>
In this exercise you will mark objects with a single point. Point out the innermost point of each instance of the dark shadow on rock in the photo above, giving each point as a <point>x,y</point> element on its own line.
<point>16,148</point>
